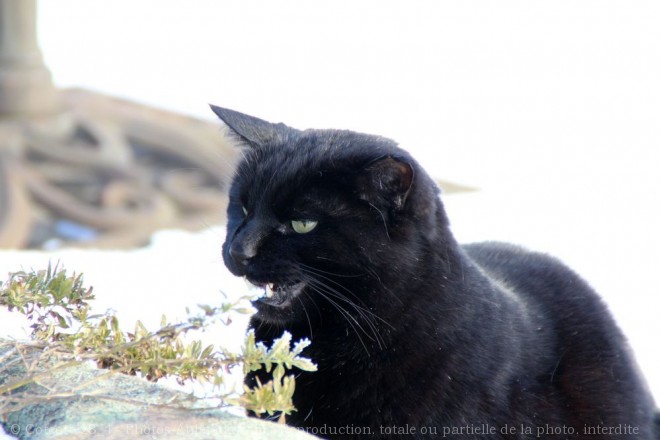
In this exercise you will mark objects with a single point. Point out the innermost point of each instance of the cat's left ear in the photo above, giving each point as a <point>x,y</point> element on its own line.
<point>386,182</point>
<point>254,131</point>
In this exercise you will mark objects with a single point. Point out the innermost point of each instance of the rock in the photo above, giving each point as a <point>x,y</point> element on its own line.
<point>74,400</point>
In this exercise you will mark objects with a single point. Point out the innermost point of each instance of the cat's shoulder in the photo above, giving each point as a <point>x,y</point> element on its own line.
<point>536,277</point>
<point>526,269</point>
<point>497,256</point>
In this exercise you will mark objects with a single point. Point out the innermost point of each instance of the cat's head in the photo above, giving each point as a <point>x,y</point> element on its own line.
<point>323,220</point>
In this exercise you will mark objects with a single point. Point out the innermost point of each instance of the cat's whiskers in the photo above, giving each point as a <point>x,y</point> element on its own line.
<point>368,271</point>
<point>349,318</point>
<point>319,315</point>
<point>362,307</point>
<point>314,269</point>
<point>309,321</point>
<point>369,317</point>
<point>322,281</point>
<point>362,312</point>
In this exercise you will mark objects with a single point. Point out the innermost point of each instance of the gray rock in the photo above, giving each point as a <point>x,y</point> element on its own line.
<point>73,400</point>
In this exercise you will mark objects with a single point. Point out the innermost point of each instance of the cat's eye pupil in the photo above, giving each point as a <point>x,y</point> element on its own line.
<point>303,226</point>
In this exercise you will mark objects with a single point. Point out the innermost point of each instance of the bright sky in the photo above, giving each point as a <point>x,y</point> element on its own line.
<point>478,89</point>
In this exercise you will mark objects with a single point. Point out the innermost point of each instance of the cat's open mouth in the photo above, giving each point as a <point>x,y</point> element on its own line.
<point>276,294</point>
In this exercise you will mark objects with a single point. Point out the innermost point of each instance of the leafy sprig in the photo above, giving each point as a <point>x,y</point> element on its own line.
<point>276,396</point>
<point>58,309</point>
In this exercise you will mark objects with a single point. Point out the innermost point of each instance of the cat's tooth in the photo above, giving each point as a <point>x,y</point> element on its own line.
<point>269,290</point>
<point>252,288</point>
<point>248,284</point>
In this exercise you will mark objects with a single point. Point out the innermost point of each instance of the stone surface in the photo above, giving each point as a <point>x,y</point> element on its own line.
<point>78,401</point>
<point>26,87</point>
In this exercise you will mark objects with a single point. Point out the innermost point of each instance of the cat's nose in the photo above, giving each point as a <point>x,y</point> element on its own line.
<point>241,253</point>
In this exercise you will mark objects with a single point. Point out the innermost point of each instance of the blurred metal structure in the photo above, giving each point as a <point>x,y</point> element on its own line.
<point>79,168</point>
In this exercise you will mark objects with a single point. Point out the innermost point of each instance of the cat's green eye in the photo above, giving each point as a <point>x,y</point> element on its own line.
<point>303,226</point>
<point>245,211</point>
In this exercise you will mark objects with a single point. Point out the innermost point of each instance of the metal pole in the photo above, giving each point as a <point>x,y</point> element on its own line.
<point>26,88</point>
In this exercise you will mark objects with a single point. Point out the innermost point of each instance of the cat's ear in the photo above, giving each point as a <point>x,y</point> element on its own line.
<point>386,182</point>
<point>254,131</point>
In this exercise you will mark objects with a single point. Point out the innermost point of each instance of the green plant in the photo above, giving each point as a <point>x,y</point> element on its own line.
<point>276,395</point>
<point>58,309</point>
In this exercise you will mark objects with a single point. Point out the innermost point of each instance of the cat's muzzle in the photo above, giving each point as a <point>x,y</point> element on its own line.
<point>275,294</point>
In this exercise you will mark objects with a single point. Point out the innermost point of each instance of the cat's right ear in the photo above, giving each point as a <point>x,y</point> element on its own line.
<point>253,131</point>
<point>386,183</point>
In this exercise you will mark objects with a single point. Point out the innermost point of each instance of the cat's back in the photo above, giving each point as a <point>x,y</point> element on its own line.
<point>534,276</point>
<point>551,290</point>
<point>592,366</point>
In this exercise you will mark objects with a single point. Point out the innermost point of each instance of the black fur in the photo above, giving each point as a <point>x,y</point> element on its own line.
<point>414,334</point>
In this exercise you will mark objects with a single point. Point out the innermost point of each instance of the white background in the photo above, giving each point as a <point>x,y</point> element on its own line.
<point>551,109</point>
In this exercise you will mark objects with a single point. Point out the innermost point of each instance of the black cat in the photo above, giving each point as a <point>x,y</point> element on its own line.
<point>416,336</point>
